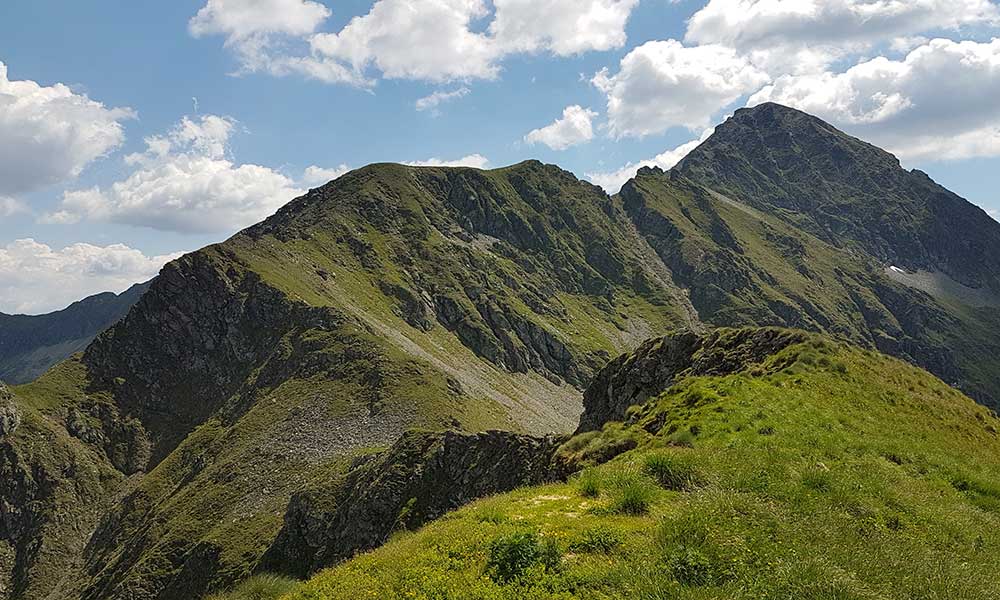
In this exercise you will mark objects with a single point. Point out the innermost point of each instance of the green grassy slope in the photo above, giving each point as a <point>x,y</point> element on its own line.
<point>824,472</point>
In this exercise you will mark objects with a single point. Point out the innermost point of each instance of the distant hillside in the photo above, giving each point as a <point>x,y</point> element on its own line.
<point>30,344</point>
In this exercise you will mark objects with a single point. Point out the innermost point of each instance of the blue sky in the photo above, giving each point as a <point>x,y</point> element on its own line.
<point>138,130</point>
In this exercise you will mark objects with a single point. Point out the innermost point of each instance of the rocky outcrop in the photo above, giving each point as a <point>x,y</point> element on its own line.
<point>655,366</point>
<point>10,417</point>
<point>193,341</point>
<point>122,439</point>
<point>52,490</point>
<point>422,476</point>
<point>500,334</point>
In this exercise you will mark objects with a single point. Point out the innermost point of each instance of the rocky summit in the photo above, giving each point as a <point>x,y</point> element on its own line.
<point>405,340</point>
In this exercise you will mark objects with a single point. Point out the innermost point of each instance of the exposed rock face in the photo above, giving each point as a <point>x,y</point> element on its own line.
<point>192,342</point>
<point>423,476</point>
<point>52,490</point>
<point>635,377</point>
<point>10,417</point>
<point>123,439</point>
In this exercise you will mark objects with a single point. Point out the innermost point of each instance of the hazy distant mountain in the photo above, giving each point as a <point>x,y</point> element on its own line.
<point>30,344</point>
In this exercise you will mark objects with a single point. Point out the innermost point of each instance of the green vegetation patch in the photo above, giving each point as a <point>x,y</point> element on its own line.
<point>830,472</point>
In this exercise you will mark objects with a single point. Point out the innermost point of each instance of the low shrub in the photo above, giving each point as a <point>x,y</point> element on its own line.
<point>514,555</point>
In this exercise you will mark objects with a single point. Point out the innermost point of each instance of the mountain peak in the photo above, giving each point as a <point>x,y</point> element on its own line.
<point>847,192</point>
<point>777,125</point>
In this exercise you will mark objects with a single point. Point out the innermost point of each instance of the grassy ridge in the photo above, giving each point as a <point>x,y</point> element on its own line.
<point>828,472</point>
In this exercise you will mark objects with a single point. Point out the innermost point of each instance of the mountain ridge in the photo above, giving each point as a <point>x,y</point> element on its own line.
<point>30,344</point>
<point>395,298</point>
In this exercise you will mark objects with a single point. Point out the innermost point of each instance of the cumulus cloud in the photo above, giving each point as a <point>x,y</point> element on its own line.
<point>575,127</point>
<point>432,101</point>
<point>995,213</point>
<point>253,28</point>
<point>802,35</point>
<point>406,39</point>
<point>477,161</point>
<point>663,84</point>
<point>563,27</point>
<point>612,181</point>
<point>939,102</point>
<point>243,19</point>
<point>35,278</point>
<point>381,43</point>
<point>314,175</point>
<point>49,134</point>
<point>184,182</point>
<point>10,207</point>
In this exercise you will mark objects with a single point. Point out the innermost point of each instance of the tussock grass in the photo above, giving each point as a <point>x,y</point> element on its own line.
<point>258,587</point>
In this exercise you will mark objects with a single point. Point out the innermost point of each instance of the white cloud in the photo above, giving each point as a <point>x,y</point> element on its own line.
<point>411,39</point>
<point>477,161</point>
<point>34,278</point>
<point>804,35</point>
<point>314,175</point>
<point>563,27</point>
<point>251,27</point>
<point>612,181</point>
<point>575,127</point>
<point>311,67</point>
<point>49,134</point>
<point>242,19</point>
<point>433,100</point>
<point>663,84</point>
<point>905,44</point>
<point>184,182</point>
<point>10,206</point>
<point>431,40</point>
<point>995,213</point>
<point>939,102</point>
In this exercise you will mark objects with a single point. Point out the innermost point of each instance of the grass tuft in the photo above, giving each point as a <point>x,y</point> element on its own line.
<point>258,587</point>
<point>673,470</point>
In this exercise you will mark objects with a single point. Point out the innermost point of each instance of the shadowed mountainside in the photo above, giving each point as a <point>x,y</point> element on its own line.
<point>31,344</point>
